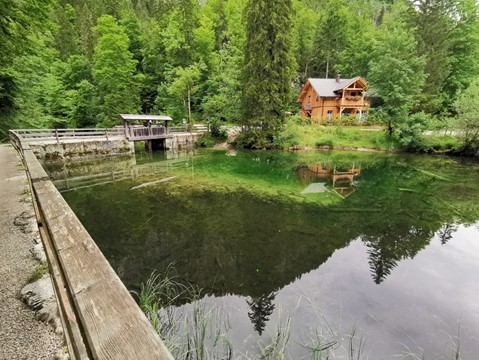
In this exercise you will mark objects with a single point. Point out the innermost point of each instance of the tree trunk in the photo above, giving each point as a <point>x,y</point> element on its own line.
<point>189,108</point>
<point>390,128</point>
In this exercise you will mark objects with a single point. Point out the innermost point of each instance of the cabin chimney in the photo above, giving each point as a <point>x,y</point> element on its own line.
<point>338,77</point>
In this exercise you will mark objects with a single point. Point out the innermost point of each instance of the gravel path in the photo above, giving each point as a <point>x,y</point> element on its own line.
<point>21,336</point>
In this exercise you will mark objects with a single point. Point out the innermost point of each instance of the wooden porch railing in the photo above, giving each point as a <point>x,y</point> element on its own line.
<point>354,102</point>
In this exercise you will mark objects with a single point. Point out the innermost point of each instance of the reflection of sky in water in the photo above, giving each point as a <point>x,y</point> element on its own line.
<point>419,308</point>
<point>314,188</point>
<point>393,214</point>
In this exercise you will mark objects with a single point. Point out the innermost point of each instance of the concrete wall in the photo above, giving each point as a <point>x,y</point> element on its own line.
<point>182,141</point>
<point>51,150</point>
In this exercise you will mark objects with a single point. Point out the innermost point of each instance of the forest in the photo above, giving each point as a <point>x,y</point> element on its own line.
<point>79,63</point>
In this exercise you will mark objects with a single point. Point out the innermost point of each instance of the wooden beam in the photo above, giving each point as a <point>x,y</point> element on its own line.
<point>112,324</point>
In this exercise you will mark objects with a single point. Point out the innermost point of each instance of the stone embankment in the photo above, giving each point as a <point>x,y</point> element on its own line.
<point>22,335</point>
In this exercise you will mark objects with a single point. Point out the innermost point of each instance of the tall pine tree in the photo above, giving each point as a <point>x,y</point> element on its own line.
<point>267,72</point>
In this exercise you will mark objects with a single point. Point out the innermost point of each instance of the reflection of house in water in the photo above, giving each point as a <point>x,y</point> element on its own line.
<point>342,179</point>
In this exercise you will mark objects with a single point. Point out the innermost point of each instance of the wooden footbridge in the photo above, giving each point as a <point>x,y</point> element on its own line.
<point>100,318</point>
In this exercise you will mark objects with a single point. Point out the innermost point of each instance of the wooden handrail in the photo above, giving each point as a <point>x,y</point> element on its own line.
<point>56,134</point>
<point>100,318</point>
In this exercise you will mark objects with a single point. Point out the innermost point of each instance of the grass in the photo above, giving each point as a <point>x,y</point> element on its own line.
<point>40,270</point>
<point>442,142</point>
<point>334,136</point>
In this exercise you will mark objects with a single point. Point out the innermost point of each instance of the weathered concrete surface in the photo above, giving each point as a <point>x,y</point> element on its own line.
<point>182,141</point>
<point>21,336</point>
<point>81,148</point>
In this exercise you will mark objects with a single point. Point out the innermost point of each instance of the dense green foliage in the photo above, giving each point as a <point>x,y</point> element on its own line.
<point>267,70</point>
<point>71,63</point>
<point>467,106</point>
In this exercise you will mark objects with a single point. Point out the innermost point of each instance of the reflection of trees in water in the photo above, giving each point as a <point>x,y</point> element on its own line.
<point>446,232</point>
<point>261,309</point>
<point>392,245</point>
<point>381,261</point>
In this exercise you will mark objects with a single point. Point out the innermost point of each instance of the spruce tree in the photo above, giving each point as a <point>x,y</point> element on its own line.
<point>267,72</point>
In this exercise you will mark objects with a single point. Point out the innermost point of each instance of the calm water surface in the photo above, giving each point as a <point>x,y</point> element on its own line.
<point>374,250</point>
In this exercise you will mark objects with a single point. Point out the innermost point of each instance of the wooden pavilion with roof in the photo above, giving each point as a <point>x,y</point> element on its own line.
<point>330,98</point>
<point>153,129</point>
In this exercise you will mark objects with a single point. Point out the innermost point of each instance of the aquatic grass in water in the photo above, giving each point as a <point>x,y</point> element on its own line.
<point>199,332</point>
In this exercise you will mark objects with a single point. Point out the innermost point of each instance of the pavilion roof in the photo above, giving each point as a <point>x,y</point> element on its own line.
<point>134,117</point>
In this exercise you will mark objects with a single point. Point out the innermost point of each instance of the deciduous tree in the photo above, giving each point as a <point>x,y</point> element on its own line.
<point>467,107</point>
<point>396,71</point>
<point>114,72</point>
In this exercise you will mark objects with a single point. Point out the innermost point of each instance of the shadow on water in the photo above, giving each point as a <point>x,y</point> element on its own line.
<point>254,223</point>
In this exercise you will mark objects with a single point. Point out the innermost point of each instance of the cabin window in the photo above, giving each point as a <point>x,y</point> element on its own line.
<point>317,97</point>
<point>309,99</point>
<point>353,93</point>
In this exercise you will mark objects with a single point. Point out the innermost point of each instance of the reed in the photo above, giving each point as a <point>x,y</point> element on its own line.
<point>198,331</point>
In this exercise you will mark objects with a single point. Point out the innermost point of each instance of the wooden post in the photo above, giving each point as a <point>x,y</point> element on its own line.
<point>56,135</point>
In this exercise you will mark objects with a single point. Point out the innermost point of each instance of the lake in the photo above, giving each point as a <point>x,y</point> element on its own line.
<point>295,255</point>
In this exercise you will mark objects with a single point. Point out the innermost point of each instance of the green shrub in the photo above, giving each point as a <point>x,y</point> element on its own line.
<point>255,139</point>
<point>442,142</point>
<point>325,141</point>
<point>346,120</point>
<point>288,137</point>
<point>217,131</point>
<point>206,140</point>
<point>411,130</point>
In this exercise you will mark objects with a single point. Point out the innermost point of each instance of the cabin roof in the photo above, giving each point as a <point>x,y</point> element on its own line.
<point>134,117</point>
<point>328,87</point>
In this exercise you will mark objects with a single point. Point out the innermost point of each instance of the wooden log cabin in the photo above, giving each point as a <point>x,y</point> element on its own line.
<point>327,99</point>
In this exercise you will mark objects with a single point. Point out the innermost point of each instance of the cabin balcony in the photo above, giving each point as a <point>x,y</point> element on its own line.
<point>353,101</point>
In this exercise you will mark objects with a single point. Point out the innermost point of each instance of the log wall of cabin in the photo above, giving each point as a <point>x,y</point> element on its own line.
<point>309,99</point>
<point>328,104</point>
<point>320,106</point>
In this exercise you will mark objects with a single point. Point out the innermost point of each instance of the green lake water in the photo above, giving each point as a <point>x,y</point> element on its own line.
<point>379,251</point>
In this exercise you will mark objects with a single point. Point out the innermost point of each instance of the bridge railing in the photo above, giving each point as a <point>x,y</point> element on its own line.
<point>186,129</point>
<point>32,135</point>
<point>100,318</point>
<point>62,134</point>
